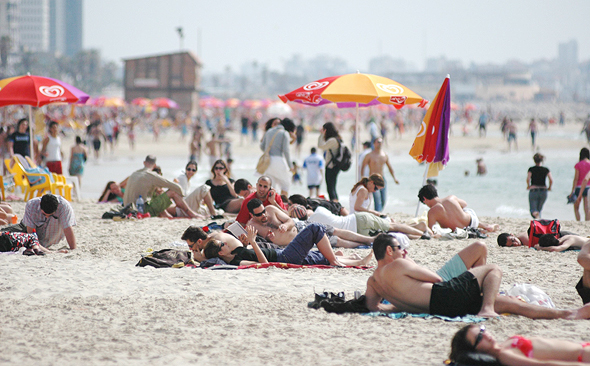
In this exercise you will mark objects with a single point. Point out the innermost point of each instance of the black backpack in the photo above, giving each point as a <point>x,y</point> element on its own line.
<point>343,160</point>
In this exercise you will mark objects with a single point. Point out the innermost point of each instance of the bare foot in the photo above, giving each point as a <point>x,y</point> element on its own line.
<point>488,314</point>
<point>366,260</point>
<point>337,263</point>
<point>581,313</point>
<point>354,256</point>
<point>339,253</point>
<point>492,228</point>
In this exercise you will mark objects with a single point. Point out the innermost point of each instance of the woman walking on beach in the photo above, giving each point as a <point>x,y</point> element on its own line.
<point>360,199</point>
<point>330,142</point>
<point>582,168</point>
<point>222,189</point>
<point>517,350</point>
<point>78,157</point>
<point>536,186</point>
<point>277,138</point>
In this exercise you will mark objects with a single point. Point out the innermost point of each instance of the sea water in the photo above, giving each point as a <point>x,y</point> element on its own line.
<point>500,193</point>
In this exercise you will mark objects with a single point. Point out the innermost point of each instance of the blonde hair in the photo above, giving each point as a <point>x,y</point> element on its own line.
<point>376,178</point>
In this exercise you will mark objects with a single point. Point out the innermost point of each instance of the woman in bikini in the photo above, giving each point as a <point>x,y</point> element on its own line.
<point>518,350</point>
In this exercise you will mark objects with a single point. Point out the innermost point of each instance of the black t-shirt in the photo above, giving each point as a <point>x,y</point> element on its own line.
<point>21,143</point>
<point>219,194</point>
<point>538,175</point>
<point>243,254</point>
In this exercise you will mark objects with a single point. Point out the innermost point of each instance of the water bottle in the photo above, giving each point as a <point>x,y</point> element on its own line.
<point>140,204</point>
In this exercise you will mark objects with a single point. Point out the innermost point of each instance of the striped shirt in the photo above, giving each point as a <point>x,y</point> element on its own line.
<point>50,230</point>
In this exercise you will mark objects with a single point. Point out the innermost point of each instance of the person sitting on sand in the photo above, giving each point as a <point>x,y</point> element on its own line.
<point>297,252</point>
<point>359,222</point>
<point>112,193</point>
<point>415,289</point>
<point>243,188</point>
<point>144,182</point>
<point>265,193</point>
<point>518,350</point>
<point>362,192</point>
<point>277,227</point>
<point>583,286</point>
<point>450,212</point>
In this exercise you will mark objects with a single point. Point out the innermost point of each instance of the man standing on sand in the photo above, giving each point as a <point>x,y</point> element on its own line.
<point>415,289</point>
<point>144,182</point>
<point>450,212</point>
<point>375,160</point>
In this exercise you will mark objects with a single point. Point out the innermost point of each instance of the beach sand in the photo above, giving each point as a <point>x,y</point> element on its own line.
<point>94,307</point>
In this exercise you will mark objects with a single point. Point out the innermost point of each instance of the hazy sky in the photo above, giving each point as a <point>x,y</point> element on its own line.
<point>234,32</point>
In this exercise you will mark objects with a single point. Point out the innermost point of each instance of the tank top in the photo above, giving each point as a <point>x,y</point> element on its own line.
<point>352,199</point>
<point>53,149</point>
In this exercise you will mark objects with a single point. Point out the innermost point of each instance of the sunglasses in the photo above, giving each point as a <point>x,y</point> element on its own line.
<point>219,168</point>
<point>260,213</point>
<point>191,170</point>
<point>221,245</point>
<point>479,337</point>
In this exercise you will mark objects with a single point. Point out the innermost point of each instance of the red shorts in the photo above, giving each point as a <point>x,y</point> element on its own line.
<point>54,167</point>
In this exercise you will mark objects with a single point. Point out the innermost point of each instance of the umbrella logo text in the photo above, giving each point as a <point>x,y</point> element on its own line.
<point>398,100</point>
<point>391,88</point>
<point>315,85</point>
<point>53,91</point>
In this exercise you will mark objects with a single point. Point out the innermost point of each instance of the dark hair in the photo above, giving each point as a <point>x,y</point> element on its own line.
<point>313,150</point>
<point>157,169</point>
<point>288,124</point>
<point>212,249</point>
<point>503,239</point>
<point>460,345</point>
<point>105,190</point>
<point>376,178</point>
<point>253,203</point>
<point>268,124</point>
<point>194,233</point>
<point>367,144</point>
<point>53,123</point>
<point>78,140</point>
<point>538,158</point>
<point>49,203</point>
<point>192,162</point>
<point>219,161</point>
<point>584,153</point>
<point>548,240</point>
<point>150,159</point>
<point>241,185</point>
<point>299,200</point>
<point>428,192</point>
<point>20,122</point>
<point>380,244</point>
<point>331,131</point>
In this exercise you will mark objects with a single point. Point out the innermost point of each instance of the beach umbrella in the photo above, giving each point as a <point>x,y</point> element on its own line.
<point>37,91</point>
<point>164,103</point>
<point>142,102</point>
<point>232,103</point>
<point>354,90</point>
<point>431,144</point>
<point>280,110</point>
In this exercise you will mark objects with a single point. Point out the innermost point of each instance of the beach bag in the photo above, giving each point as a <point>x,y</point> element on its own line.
<point>540,227</point>
<point>264,161</point>
<point>531,294</point>
<point>166,258</point>
<point>343,160</point>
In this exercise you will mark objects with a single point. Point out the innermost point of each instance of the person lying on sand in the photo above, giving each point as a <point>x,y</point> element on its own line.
<point>276,226</point>
<point>550,243</point>
<point>297,252</point>
<point>415,289</point>
<point>197,239</point>
<point>450,212</point>
<point>522,239</point>
<point>518,350</point>
<point>359,222</point>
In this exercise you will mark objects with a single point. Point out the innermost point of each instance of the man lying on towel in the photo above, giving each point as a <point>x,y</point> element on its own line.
<point>297,252</point>
<point>412,288</point>
<point>450,212</point>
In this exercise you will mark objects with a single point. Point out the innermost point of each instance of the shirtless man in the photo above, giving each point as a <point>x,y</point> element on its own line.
<point>375,160</point>
<point>450,212</point>
<point>513,240</point>
<point>583,286</point>
<point>277,227</point>
<point>412,288</point>
<point>197,239</point>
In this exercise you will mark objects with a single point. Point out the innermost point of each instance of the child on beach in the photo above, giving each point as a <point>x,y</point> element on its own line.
<point>296,175</point>
<point>314,164</point>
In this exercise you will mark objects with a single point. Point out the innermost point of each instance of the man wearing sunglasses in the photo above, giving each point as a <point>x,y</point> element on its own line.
<point>415,289</point>
<point>144,182</point>
<point>265,193</point>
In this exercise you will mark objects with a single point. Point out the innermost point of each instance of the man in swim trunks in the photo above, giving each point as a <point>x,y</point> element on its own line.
<point>450,212</point>
<point>411,288</point>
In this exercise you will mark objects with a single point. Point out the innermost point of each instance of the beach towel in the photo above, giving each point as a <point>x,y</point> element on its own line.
<point>464,319</point>
<point>214,263</point>
<point>474,359</point>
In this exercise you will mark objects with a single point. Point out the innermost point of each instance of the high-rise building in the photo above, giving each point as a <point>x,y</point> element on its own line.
<point>568,55</point>
<point>65,32</point>
<point>34,25</point>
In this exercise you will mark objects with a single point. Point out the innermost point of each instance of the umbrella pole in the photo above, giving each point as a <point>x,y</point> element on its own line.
<point>423,184</point>
<point>356,143</point>
<point>31,149</point>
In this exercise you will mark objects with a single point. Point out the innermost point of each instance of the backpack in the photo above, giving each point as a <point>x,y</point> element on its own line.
<point>540,227</point>
<point>343,160</point>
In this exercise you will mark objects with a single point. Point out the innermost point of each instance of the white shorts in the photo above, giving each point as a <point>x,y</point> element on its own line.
<point>279,172</point>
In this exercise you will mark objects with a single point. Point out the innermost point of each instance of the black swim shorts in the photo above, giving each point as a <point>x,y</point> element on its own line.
<point>457,297</point>
<point>584,292</point>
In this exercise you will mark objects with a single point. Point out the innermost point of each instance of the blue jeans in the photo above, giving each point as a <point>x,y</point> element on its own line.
<point>537,198</point>
<point>298,250</point>
<point>380,198</point>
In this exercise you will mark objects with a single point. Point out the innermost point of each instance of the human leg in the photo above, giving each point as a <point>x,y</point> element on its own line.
<point>331,180</point>
<point>541,202</point>
<point>378,199</point>
<point>489,277</point>
<point>474,255</point>
<point>533,203</point>
<point>577,204</point>
<point>512,305</point>
<point>351,236</point>
<point>234,205</point>
<point>181,204</point>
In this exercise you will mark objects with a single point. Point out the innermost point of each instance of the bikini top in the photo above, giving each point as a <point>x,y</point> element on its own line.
<point>523,344</point>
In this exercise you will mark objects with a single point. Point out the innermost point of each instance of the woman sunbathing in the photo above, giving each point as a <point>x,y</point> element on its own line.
<point>297,252</point>
<point>518,350</point>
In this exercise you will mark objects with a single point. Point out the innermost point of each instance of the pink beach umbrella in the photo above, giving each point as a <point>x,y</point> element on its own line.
<point>164,103</point>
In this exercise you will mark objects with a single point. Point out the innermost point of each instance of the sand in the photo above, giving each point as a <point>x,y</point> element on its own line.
<point>94,307</point>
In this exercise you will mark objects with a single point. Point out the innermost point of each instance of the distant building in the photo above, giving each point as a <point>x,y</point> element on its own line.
<point>34,25</point>
<point>176,76</point>
<point>385,65</point>
<point>568,54</point>
<point>65,26</point>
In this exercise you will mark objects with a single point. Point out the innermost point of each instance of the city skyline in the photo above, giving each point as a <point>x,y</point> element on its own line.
<point>272,32</point>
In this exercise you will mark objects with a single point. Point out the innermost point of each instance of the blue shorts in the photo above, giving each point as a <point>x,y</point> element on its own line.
<point>577,191</point>
<point>453,268</point>
<point>299,250</point>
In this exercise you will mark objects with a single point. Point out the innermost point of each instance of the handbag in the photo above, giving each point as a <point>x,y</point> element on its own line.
<point>264,161</point>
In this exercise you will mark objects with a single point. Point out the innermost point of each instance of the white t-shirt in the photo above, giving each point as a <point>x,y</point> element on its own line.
<point>352,200</point>
<point>314,165</point>
<point>323,216</point>
<point>184,183</point>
